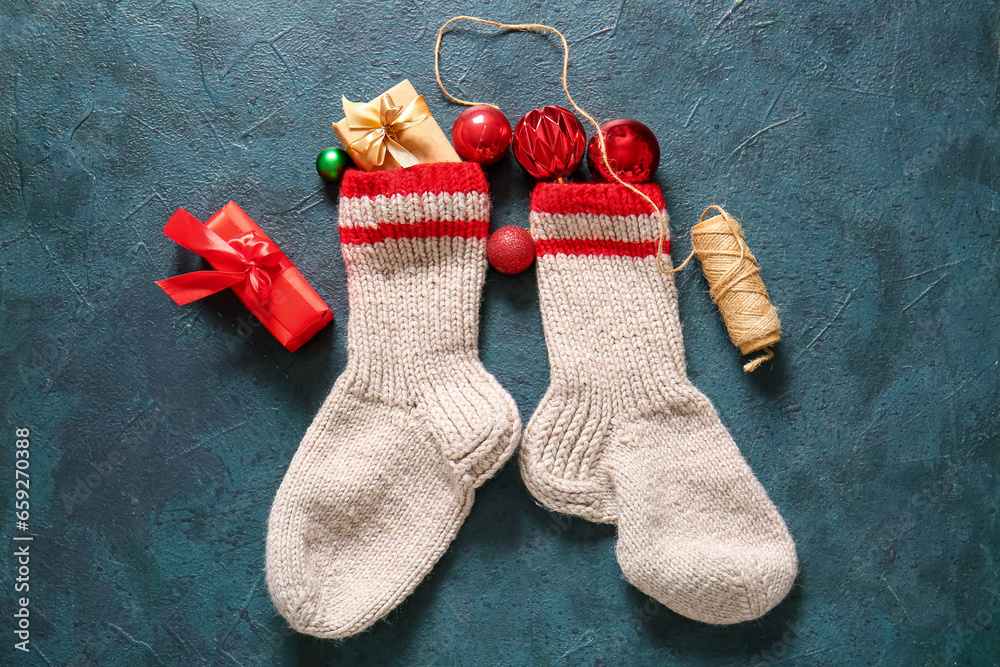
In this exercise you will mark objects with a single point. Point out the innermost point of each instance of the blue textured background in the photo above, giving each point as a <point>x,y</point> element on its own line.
<point>858,143</point>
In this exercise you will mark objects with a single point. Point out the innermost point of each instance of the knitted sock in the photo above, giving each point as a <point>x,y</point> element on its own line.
<point>386,474</point>
<point>622,436</point>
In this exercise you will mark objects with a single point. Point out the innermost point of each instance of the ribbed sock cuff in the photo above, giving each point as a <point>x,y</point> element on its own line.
<point>445,199</point>
<point>596,219</point>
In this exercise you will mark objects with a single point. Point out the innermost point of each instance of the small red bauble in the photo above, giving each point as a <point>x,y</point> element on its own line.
<point>633,152</point>
<point>481,134</point>
<point>511,249</point>
<point>549,142</point>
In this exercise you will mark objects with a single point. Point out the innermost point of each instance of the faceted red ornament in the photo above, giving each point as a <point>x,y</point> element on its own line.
<point>633,152</point>
<point>511,249</point>
<point>481,134</point>
<point>549,142</point>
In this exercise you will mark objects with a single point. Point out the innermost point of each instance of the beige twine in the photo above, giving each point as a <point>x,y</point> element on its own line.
<point>735,285</point>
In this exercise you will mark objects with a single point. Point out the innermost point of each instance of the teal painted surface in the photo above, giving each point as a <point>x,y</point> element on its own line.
<point>857,142</point>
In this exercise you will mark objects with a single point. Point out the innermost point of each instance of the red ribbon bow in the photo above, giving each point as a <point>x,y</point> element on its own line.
<point>247,263</point>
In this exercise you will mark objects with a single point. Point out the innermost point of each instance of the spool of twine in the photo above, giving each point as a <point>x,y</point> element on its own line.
<point>735,285</point>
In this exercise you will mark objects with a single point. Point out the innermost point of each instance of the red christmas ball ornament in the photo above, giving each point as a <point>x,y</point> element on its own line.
<point>481,134</point>
<point>549,142</point>
<point>633,151</point>
<point>511,249</point>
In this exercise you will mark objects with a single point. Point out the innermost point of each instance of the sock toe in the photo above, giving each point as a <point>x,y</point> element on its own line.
<point>338,583</point>
<point>376,570</point>
<point>713,583</point>
<point>353,530</point>
<point>696,530</point>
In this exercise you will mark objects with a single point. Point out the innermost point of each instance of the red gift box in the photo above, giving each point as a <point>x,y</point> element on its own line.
<point>248,261</point>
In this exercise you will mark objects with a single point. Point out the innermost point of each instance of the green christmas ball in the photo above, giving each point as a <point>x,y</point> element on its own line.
<point>332,163</point>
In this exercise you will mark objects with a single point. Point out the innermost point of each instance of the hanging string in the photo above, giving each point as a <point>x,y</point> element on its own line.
<point>539,28</point>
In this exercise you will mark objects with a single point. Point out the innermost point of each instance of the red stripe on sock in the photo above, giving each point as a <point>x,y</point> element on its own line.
<point>415,230</point>
<point>604,247</point>
<point>594,198</point>
<point>436,177</point>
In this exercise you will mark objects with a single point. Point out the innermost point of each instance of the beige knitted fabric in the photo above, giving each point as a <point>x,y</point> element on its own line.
<point>386,474</point>
<point>622,436</point>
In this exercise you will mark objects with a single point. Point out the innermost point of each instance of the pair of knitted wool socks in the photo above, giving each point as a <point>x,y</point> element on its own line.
<point>387,472</point>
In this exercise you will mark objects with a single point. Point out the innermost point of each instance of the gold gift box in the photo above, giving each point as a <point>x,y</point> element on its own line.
<point>426,141</point>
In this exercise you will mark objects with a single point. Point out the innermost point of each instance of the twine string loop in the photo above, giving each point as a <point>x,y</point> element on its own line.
<point>539,28</point>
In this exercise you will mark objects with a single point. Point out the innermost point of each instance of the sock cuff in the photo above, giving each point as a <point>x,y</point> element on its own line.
<point>431,177</point>
<point>596,219</point>
<point>444,199</point>
<point>595,198</point>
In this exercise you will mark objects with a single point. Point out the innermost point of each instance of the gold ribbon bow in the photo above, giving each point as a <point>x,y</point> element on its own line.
<point>384,120</point>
